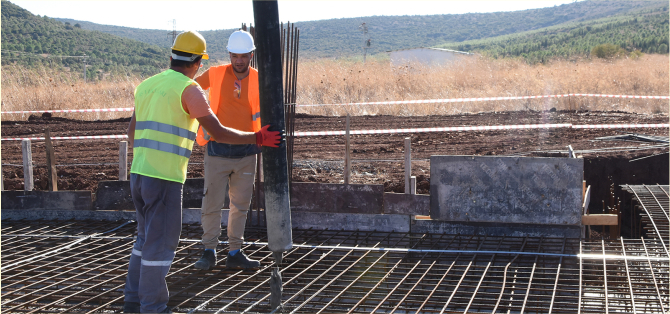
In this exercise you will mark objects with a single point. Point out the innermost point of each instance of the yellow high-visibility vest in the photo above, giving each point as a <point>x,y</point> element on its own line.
<point>164,132</point>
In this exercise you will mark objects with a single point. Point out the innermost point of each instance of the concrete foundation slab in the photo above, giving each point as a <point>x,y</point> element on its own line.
<point>337,198</point>
<point>531,190</point>
<point>406,204</point>
<point>305,196</point>
<point>64,214</point>
<point>302,220</point>
<point>339,221</point>
<point>35,200</point>
<point>495,229</point>
<point>331,221</point>
<point>115,195</point>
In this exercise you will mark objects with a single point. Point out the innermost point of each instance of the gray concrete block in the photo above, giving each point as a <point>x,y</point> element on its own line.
<point>192,215</point>
<point>506,189</point>
<point>115,195</point>
<point>194,191</point>
<point>406,204</point>
<point>35,200</point>
<point>495,229</point>
<point>337,198</point>
<point>338,221</point>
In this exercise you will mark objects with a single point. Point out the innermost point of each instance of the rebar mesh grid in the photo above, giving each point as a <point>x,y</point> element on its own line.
<point>80,266</point>
<point>654,209</point>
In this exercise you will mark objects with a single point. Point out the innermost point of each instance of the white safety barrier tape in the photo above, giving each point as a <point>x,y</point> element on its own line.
<point>438,129</point>
<point>486,128</point>
<point>71,110</point>
<point>396,131</point>
<point>620,126</point>
<point>450,100</point>
<point>397,102</point>
<point>91,137</point>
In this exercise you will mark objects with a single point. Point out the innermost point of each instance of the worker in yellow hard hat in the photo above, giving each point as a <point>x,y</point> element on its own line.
<point>169,107</point>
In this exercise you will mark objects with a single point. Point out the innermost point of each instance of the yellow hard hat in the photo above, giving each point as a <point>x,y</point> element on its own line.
<point>191,42</point>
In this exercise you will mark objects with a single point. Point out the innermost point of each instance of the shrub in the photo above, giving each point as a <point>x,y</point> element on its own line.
<point>635,54</point>
<point>608,51</point>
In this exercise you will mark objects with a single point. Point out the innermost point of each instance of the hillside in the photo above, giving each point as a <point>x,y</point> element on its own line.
<point>157,37</point>
<point>32,40</point>
<point>342,37</point>
<point>535,35</point>
<point>646,31</point>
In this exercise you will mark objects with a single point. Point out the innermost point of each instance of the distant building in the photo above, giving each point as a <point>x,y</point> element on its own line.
<point>427,56</point>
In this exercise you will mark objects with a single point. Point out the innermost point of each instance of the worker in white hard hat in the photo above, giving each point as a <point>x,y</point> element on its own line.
<point>233,96</point>
<point>169,107</point>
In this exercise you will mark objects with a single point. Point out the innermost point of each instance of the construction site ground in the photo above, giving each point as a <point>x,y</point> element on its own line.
<point>376,159</point>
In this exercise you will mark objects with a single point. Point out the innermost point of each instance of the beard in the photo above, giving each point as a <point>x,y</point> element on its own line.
<point>240,68</point>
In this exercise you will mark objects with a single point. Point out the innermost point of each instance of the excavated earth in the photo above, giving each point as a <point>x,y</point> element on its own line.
<point>376,159</point>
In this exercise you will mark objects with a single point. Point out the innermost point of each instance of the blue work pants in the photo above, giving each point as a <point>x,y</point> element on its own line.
<point>158,205</point>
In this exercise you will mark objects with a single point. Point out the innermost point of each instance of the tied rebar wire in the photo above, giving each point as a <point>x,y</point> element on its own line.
<point>338,271</point>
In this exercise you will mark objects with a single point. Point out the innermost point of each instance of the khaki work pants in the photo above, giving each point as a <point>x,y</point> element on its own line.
<point>239,174</point>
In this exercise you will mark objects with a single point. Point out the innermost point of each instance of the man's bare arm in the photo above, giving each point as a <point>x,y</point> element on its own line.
<point>131,130</point>
<point>224,134</point>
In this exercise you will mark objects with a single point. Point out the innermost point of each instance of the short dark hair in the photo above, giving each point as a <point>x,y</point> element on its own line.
<point>182,63</point>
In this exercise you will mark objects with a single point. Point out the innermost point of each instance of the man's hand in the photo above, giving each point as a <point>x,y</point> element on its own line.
<point>269,138</point>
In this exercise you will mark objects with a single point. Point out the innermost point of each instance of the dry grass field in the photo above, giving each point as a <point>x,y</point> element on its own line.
<point>45,89</point>
<point>331,82</point>
<point>335,82</point>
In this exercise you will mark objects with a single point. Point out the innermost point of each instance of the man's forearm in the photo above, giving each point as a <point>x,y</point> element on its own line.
<point>233,136</point>
<point>224,134</point>
<point>131,130</point>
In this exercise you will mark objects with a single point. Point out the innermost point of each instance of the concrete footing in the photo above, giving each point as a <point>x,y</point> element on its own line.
<point>330,221</point>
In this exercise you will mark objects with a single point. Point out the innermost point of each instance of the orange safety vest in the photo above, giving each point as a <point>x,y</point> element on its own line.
<point>223,90</point>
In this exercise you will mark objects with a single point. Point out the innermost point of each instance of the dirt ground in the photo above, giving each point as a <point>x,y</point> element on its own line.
<point>377,159</point>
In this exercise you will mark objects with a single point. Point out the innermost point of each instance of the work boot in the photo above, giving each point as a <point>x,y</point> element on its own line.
<point>131,307</point>
<point>240,260</point>
<point>207,261</point>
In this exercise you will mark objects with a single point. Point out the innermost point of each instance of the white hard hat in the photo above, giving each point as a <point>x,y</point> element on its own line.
<point>241,42</point>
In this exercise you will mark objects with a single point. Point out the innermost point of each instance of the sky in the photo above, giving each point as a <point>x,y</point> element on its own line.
<point>202,15</point>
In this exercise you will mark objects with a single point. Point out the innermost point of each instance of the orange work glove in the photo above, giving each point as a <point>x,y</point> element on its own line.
<point>264,137</point>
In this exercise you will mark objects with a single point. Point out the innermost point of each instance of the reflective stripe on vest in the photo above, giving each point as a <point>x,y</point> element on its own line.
<point>164,147</point>
<point>165,128</point>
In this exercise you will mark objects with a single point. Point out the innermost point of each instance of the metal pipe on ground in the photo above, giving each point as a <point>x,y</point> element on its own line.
<point>275,166</point>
